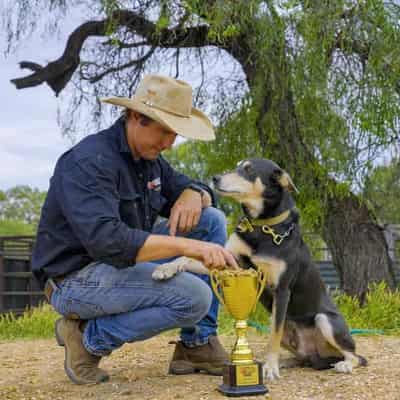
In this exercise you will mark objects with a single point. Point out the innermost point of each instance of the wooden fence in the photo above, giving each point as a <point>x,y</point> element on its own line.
<point>18,288</point>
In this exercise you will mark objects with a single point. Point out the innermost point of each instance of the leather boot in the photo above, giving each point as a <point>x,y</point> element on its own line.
<point>209,357</point>
<point>80,366</point>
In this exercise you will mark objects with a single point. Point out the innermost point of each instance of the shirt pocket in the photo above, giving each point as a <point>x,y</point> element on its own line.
<point>130,209</point>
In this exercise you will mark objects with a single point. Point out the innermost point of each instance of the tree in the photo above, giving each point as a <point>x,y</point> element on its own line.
<point>21,204</point>
<point>382,190</point>
<point>314,84</point>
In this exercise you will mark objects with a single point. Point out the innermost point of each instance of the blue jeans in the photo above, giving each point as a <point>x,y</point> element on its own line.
<point>127,305</point>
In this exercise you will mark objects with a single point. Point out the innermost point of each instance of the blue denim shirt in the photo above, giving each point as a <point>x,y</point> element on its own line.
<point>102,204</point>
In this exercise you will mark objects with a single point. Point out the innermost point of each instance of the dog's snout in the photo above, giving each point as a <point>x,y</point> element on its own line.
<point>216,179</point>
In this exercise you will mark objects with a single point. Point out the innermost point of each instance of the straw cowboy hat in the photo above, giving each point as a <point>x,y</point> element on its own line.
<point>169,102</point>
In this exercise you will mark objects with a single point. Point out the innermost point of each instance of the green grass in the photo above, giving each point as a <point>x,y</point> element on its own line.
<point>382,312</point>
<point>35,323</point>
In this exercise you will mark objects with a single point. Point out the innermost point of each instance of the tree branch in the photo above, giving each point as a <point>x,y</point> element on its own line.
<point>59,72</point>
<point>137,61</point>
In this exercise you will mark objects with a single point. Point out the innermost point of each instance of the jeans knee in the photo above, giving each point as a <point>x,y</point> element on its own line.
<point>215,221</point>
<point>200,302</point>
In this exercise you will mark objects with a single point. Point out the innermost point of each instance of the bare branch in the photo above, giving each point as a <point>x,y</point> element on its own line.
<point>138,61</point>
<point>58,73</point>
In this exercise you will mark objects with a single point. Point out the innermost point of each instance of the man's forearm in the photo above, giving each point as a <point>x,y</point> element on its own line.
<point>161,246</point>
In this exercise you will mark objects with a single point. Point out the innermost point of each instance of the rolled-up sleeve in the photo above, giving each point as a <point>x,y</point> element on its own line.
<point>89,199</point>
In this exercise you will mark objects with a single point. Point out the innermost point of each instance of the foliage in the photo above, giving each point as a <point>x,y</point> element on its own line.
<point>381,311</point>
<point>35,323</point>
<point>382,190</point>
<point>21,204</point>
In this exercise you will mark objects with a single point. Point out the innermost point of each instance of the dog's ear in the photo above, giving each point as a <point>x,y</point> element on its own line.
<point>284,180</point>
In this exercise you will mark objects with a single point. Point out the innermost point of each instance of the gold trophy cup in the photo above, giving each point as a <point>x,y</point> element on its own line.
<point>239,292</point>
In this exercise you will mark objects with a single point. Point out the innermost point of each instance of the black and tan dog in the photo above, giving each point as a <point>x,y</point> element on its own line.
<point>304,319</point>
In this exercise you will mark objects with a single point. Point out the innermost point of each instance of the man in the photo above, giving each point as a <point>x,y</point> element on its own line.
<point>97,244</point>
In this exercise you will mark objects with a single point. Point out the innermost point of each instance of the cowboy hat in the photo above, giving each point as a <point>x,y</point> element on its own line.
<point>169,102</point>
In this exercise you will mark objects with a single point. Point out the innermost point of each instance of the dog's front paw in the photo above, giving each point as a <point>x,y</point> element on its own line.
<point>271,368</point>
<point>165,271</point>
<point>344,367</point>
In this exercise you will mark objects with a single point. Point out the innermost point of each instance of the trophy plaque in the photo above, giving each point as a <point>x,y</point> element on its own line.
<point>239,292</point>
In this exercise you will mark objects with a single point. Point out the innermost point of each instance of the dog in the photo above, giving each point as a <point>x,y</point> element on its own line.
<point>304,319</point>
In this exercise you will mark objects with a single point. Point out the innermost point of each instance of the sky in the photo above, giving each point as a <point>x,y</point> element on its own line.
<point>30,139</point>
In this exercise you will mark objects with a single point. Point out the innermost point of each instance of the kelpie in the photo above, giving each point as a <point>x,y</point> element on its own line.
<point>304,319</point>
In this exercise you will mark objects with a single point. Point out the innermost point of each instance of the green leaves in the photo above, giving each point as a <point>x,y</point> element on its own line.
<point>382,191</point>
<point>20,209</point>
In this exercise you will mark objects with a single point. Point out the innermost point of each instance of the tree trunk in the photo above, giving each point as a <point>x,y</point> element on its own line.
<point>359,250</point>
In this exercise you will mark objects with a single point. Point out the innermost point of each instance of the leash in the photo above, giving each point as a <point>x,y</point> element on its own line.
<point>356,331</point>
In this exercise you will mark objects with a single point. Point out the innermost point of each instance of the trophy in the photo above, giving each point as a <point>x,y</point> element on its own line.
<point>239,292</point>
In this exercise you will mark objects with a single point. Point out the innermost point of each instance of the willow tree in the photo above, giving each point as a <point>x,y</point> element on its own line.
<point>313,85</point>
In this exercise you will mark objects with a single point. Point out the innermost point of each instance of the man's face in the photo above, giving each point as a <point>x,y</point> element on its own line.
<point>147,140</point>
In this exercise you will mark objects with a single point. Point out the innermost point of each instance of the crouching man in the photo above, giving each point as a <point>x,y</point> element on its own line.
<point>98,244</point>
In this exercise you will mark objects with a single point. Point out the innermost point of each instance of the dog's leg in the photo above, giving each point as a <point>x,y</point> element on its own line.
<point>340,339</point>
<point>170,269</point>
<point>237,246</point>
<point>279,308</point>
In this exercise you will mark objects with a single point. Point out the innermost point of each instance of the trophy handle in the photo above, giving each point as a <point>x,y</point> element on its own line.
<point>262,280</point>
<point>215,283</point>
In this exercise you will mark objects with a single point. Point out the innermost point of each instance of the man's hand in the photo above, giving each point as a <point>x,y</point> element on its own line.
<point>211,255</point>
<point>186,212</point>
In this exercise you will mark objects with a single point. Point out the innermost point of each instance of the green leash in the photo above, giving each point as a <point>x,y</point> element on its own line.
<point>265,329</point>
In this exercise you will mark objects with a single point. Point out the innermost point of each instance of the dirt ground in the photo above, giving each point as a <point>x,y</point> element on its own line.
<point>34,370</point>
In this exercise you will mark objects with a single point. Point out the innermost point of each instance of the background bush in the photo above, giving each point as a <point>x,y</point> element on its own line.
<point>381,312</point>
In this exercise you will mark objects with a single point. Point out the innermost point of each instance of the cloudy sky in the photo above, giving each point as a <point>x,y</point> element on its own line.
<point>30,140</point>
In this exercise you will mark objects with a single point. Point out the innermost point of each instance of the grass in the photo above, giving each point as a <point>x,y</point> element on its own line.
<point>35,323</point>
<point>382,311</point>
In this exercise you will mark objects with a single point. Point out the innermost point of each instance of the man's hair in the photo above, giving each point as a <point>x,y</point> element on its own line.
<point>144,119</point>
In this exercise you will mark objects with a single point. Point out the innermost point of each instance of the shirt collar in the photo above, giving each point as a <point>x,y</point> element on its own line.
<point>120,128</point>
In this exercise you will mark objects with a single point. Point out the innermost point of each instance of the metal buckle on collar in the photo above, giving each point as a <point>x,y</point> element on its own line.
<point>244,226</point>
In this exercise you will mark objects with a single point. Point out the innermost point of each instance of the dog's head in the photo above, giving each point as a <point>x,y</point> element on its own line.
<point>259,185</point>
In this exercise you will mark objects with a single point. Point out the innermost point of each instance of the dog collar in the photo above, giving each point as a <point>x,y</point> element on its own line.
<point>246,225</point>
<point>273,220</point>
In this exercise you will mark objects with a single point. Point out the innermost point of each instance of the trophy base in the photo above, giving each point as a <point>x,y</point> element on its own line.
<point>243,380</point>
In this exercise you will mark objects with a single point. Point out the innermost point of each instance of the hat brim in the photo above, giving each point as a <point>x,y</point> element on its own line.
<point>196,126</point>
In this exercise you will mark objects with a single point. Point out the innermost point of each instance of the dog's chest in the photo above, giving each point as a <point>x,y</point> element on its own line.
<point>272,267</point>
